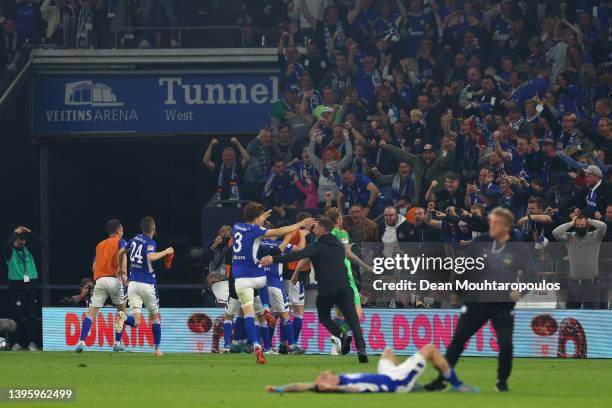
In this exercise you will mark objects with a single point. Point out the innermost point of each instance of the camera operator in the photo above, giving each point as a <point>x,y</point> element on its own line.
<point>213,253</point>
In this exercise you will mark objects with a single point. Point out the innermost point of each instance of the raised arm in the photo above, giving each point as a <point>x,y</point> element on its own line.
<point>208,154</point>
<point>401,8</point>
<point>156,256</point>
<point>600,228</point>
<point>352,15</point>
<point>282,231</point>
<point>308,15</point>
<point>307,252</point>
<point>316,162</point>
<point>570,161</point>
<point>400,154</point>
<point>245,157</point>
<point>561,233</point>
<point>348,156</point>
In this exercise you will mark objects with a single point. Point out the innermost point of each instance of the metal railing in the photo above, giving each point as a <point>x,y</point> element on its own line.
<point>266,37</point>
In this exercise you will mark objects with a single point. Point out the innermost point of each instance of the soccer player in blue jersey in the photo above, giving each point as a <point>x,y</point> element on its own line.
<point>390,377</point>
<point>275,287</point>
<point>248,273</point>
<point>142,289</point>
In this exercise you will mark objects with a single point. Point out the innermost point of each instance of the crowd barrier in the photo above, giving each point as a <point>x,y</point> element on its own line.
<point>538,333</point>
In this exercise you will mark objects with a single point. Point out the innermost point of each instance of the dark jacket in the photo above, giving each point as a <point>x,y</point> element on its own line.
<point>327,257</point>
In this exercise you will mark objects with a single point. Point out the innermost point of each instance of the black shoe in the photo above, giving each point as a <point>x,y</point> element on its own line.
<point>346,343</point>
<point>436,385</point>
<point>363,357</point>
<point>282,349</point>
<point>501,387</point>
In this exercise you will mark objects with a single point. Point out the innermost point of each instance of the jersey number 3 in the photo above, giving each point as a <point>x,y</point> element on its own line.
<point>237,242</point>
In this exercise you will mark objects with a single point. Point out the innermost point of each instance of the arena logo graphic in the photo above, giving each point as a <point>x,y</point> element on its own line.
<point>101,102</point>
<point>219,93</point>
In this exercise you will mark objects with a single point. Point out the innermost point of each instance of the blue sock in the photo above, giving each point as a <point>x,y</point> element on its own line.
<point>287,330</point>
<point>251,329</point>
<point>264,331</point>
<point>85,327</point>
<point>118,336</point>
<point>264,296</point>
<point>451,376</point>
<point>130,321</point>
<point>297,327</point>
<point>156,328</point>
<point>240,330</point>
<point>227,333</point>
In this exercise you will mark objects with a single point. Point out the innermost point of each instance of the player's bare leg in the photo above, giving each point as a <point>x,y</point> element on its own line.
<point>119,324</point>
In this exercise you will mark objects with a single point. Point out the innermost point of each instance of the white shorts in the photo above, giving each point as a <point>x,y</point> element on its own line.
<point>245,288</point>
<point>140,294</point>
<point>278,300</point>
<point>295,293</point>
<point>406,374</point>
<point>105,287</point>
<point>232,307</point>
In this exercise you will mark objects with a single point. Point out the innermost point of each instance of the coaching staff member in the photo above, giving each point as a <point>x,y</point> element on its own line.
<point>327,257</point>
<point>22,277</point>
<point>506,255</point>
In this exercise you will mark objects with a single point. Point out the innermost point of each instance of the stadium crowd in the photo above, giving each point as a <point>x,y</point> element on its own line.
<point>405,114</point>
<point>401,113</point>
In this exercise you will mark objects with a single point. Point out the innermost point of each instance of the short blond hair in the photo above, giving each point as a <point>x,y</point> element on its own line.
<point>416,112</point>
<point>505,214</point>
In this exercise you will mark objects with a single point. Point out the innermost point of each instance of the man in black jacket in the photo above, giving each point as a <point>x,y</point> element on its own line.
<point>506,256</point>
<point>327,257</point>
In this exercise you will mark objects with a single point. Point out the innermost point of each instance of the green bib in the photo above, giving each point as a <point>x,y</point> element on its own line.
<point>343,236</point>
<point>20,264</point>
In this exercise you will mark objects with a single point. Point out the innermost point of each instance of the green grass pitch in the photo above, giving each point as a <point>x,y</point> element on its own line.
<point>213,380</point>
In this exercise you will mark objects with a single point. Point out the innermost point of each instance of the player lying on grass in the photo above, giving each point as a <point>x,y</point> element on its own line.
<point>391,376</point>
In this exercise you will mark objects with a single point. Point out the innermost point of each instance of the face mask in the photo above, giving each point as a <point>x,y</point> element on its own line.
<point>403,211</point>
<point>580,231</point>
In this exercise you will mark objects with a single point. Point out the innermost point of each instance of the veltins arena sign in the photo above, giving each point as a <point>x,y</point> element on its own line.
<point>148,103</point>
<point>538,333</point>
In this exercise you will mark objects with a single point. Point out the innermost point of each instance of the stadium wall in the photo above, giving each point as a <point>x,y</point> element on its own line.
<point>538,332</point>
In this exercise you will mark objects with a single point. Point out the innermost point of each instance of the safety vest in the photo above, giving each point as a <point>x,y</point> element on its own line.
<point>21,264</point>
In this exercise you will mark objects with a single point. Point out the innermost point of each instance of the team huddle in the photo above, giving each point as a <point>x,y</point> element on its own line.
<point>260,292</point>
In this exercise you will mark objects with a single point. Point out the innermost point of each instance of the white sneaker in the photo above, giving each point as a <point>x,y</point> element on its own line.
<point>80,347</point>
<point>16,347</point>
<point>32,347</point>
<point>336,348</point>
<point>174,43</point>
<point>271,351</point>
<point>158,353</point>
